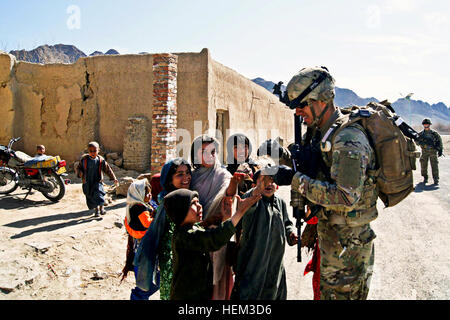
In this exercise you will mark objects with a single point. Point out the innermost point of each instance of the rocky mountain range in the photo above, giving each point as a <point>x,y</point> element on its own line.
<point>412,111</point>
<point>58,53</point>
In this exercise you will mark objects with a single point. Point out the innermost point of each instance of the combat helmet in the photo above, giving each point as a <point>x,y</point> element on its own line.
<point>426,121</point>
<point>310,83</point>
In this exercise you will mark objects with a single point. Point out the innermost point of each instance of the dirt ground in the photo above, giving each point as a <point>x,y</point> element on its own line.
<point>60,251</point>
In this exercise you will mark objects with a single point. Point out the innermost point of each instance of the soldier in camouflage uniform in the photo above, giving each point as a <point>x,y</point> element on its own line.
<point>431,143</point>
<point>348,197</point>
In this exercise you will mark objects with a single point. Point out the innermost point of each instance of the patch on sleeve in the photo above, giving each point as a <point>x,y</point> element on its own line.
<point>349,169</point>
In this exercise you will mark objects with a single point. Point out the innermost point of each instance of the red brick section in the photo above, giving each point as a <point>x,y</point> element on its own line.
<point>164,119</point>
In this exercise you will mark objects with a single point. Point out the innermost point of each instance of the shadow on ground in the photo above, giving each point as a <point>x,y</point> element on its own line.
<point>74,217</point>
<point>15,201</point>
<point>423,187</point>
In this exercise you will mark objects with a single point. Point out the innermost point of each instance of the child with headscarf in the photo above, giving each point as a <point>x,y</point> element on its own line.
<point>213,183</point>
<point>140,211</point>
<point>154,254</point>
<point>192,242</point>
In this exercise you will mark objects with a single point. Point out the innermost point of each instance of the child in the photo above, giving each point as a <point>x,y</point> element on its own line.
<point>154,254</point>
<point>192,242</point>
<point>140,212</point>
<point>91,168</point>
<point>40,150</point>
<point>259,273</point>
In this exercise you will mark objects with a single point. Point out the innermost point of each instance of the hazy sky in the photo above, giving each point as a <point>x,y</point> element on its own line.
<point>376,48</point>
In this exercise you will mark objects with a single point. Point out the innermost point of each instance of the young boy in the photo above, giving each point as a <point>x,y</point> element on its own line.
<point>40,150</point>
<point>192,242</point>
<point>139,215</point>
<point>259,271</point>
<point>91,168</point>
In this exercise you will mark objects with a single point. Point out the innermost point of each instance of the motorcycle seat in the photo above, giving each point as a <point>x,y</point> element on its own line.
<point>42,162</point>
<point>22,156</point>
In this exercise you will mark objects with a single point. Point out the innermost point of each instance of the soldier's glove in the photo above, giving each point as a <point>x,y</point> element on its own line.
<point>440,153</point>
<point>282,175</point>
<point>299,183</point>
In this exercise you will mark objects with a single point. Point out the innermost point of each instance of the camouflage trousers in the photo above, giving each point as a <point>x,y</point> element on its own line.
<point>432,156</point>
<point>346,256</point>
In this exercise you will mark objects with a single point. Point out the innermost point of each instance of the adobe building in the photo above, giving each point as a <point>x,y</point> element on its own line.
<point>134,105</point>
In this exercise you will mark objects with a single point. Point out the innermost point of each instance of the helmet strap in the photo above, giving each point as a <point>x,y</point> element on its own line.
<point>319,118</point>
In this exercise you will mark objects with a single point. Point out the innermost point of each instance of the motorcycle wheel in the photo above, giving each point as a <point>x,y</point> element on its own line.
<point>8,177</point>
<point>59,187</point>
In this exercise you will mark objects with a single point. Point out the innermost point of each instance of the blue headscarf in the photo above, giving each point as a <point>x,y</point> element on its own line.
<point>146,257</point>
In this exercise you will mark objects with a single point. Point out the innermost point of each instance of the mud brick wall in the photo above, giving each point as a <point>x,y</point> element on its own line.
<point>164,118</point>
<point>136,151</point>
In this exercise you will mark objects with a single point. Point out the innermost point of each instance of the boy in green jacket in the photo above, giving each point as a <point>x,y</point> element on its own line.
<point>192,241</point>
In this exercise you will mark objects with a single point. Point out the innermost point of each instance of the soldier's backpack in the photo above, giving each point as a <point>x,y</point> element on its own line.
<point>395,153</point>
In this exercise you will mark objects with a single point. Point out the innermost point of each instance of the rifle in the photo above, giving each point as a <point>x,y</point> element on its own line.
<point>306,158</point>
<point>296,211</point>
<point>413,134</point>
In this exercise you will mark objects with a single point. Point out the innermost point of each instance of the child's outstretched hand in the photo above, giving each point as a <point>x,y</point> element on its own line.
<point>226,207</point>
<point>239,177</point>
<point>243,205</point>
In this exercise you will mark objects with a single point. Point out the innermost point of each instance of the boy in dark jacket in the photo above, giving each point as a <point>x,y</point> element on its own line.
<point>192,242</point>
<point>91,168</point>
<point>266,228</point>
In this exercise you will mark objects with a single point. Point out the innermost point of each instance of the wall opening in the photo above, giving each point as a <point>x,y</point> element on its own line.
<point>222,125</point>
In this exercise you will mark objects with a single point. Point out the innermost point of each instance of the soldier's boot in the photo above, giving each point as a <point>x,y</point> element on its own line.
<point>436,181</point>
<point>425,179</point>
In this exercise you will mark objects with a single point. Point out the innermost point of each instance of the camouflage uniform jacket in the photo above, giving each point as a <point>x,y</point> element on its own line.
<point>350,190</point>
<point>430,141</point>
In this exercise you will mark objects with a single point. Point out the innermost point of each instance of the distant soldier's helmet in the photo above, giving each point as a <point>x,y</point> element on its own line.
<point>426,121</point>
<point>317,80</point>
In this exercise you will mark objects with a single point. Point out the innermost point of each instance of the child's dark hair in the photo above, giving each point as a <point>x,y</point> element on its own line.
<point>94,144</point>
<point>173,168</point>
<point>198,142</point>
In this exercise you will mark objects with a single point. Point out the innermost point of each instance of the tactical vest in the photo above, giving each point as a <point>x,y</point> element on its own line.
<point>395,153</point>
<point>369,194</point>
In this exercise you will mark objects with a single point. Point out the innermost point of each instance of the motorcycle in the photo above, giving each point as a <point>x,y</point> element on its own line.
<point>42,173</point>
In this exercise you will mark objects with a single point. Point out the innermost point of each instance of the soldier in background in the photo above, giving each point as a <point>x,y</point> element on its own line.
<point>431,143</point>
<point>277,89</point>
<point>346,193</point>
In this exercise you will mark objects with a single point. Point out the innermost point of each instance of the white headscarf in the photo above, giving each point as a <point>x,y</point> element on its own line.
<point>211,184</point>
<point>136,195</point>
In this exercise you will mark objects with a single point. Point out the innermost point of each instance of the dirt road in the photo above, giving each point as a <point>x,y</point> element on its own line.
<point>60,251</point>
